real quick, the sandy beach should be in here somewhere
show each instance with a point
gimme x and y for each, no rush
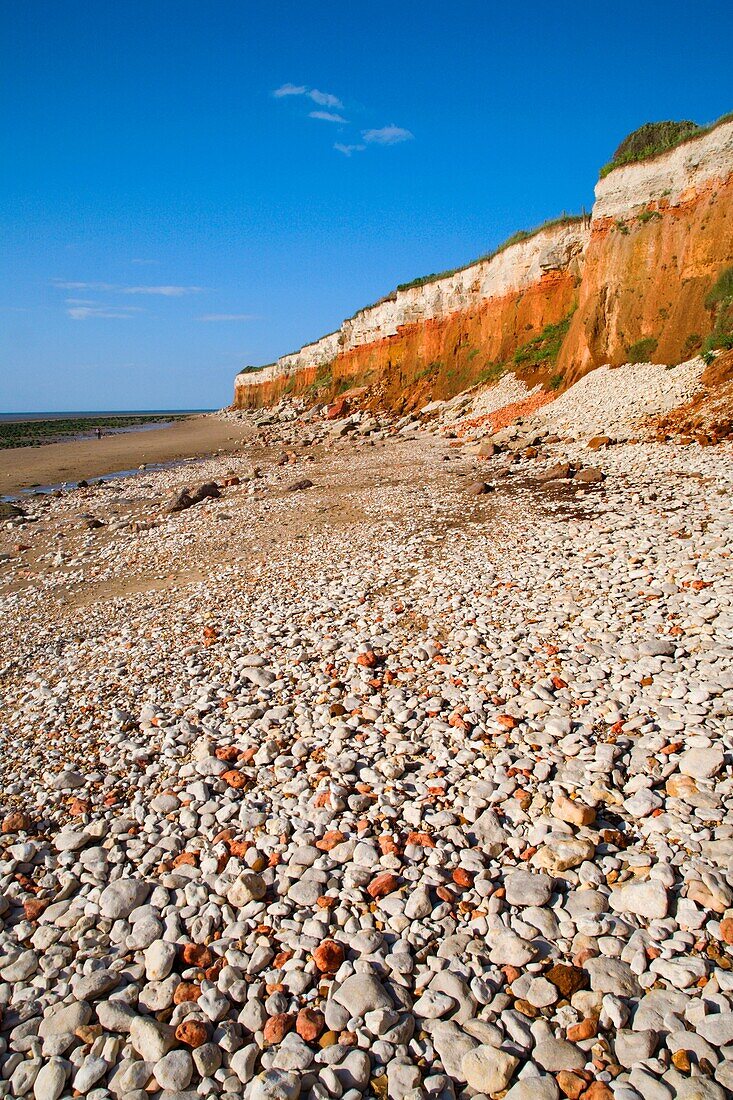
(23, 467)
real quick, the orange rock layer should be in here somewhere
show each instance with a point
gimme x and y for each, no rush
(646, 277)
(642, 277)
(436, 358)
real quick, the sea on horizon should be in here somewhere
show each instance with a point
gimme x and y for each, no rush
(76, 414)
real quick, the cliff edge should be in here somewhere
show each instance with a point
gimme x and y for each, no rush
(633, 282)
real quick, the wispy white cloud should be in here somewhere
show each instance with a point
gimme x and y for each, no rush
(325, 99)
(82, 286)
(347, 150)
(112, 313)
(327, 116)
(387, 135)
(289, 89)
(144, 263)
(229, 317)
(164, 291)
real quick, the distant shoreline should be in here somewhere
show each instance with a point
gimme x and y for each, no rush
(40, 431)
(23, 468)
(90, 414)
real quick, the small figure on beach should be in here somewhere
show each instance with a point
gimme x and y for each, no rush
(98, 432)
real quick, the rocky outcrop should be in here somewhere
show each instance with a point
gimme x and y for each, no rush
(629, 282)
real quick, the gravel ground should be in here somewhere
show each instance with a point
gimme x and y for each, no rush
(371, 787)
(618, 399)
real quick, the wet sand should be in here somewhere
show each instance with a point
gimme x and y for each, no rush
(23, 467)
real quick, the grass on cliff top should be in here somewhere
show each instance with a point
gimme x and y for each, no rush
(654, 138)
(516, 238)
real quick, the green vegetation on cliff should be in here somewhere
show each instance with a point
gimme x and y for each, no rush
(516, 238)
(642, 350)
(538, 354)
(544, 348)
(654, 138)
(720, 300)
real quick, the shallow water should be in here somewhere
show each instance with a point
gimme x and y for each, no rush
(115, 475)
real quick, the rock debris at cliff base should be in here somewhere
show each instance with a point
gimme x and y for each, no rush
(377, 788)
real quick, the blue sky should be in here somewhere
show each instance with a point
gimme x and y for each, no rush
(167, 217)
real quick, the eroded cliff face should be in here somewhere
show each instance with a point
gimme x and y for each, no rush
(661, 233)
(628, 282)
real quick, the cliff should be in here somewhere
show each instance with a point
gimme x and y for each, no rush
(628, 283)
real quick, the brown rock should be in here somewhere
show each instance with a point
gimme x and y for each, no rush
(87, 1033)
(309, 1024)
(599, 441)
(17, 822)
(586, 1029)
(382, 885)
(328, 956)
(589, 475)
(598, 1091)
(575, 813)
(487, 449)
(681, 1061)
(561, 471)
(196, 954)
(186, 991)
(234, 778)
(421, 840)
(571, 1084)
(568, 979)
(507, 721)
(726, 930)
(228, 753)
(185, 859)
(479, 488)
(34, 907)
(338, 409)
(299, 485)
(680, 786)
(192, 1033)
(208, 489)
(178, 502)
(278, 1026)
(330, 840)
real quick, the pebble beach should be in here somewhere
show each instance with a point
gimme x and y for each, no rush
(376, 758)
